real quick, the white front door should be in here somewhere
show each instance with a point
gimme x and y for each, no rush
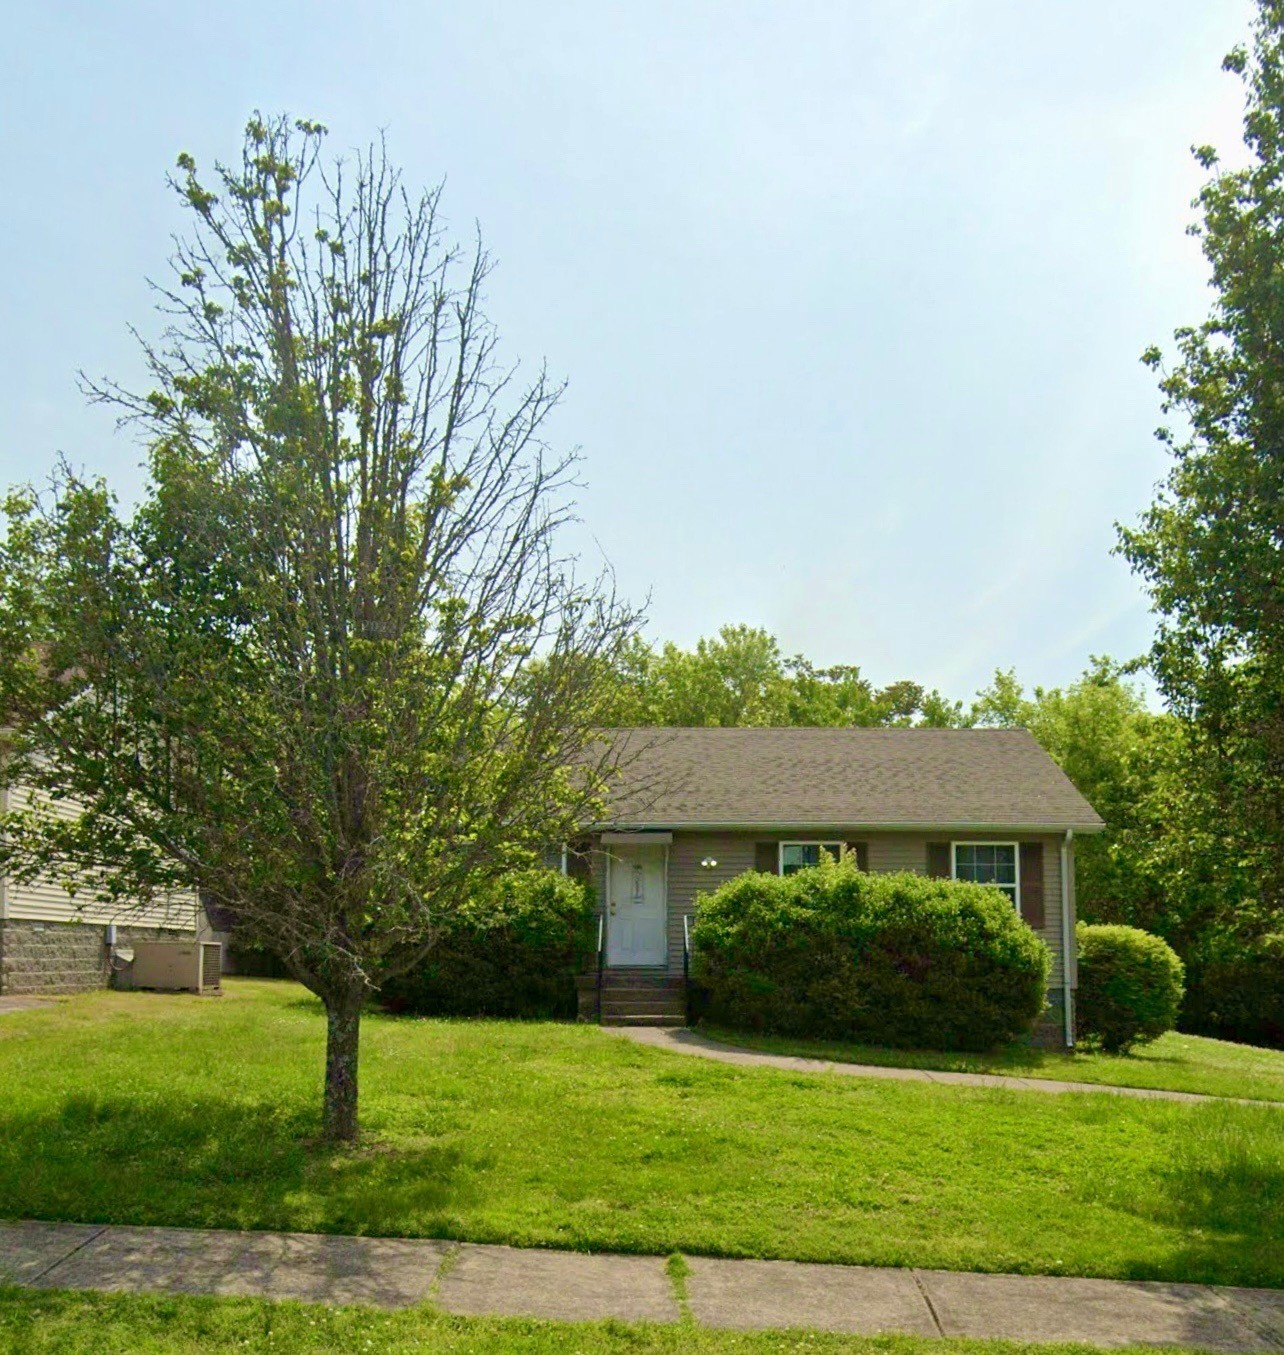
(635, 906)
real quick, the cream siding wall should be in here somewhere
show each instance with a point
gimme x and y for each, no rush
(4, 883)
(734, 854)
(45, 899)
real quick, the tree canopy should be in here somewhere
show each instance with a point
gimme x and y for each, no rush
(741, 677)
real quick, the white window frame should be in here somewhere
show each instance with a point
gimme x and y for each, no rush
(806, 842)
(990, 842)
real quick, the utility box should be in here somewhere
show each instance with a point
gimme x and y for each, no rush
(177, 966)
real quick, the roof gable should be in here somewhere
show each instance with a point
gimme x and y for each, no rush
(802, 777)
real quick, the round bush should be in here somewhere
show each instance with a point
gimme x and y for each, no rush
(513, 951)
(1130, 987)
(894, 959)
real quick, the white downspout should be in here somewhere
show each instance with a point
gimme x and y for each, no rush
(1067, 938)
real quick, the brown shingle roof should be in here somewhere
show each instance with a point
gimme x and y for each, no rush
(794, 778)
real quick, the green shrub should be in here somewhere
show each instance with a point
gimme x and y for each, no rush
(513, 951)
(898, 960)
(1235, 990)
(1130, 987)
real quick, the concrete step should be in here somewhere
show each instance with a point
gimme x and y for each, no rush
(644, 994)
(645, 999)
(651, 981)
(610, 1013)
(646, 1020)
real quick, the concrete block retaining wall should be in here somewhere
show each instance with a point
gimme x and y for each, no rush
(63, 957)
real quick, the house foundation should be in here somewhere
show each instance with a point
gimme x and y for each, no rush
(1050, 1030)
(52, 958)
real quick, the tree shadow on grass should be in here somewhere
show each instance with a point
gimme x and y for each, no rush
(1222, 1186)
(221, 1162)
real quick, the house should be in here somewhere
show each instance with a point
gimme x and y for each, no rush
(693, 808)
(55, 941)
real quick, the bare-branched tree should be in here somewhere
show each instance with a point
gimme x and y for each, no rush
(334, 671)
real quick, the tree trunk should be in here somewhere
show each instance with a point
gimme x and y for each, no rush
(343, 1029)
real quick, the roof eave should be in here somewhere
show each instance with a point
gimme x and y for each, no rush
(814, 825)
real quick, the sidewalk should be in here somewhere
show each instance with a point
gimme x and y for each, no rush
(574, 1286)
(683, 1040)
(22, 1004)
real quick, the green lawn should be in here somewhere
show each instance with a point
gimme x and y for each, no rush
(142, 1108)
(1179, 1063)
(33, 1323)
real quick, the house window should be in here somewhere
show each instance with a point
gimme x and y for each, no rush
(989, 863)
(796, 856)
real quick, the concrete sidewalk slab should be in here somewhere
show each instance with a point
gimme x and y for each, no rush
(506, 1281)
(752, 1295)
(683, 1040)
(1096, 1312)
(28, 1250)
(389, 1272)
(1262, 1310)
(155, 1260)
(573, 1286)
(23, 1004)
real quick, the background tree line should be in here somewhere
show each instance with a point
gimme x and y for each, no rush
(1170, 860)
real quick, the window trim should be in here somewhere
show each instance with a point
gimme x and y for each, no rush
(990, 842)
(805, 842)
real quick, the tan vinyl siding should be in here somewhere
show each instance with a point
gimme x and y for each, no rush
(46, 899)
(688, 878)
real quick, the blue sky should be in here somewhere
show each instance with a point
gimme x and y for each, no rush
(850, 296)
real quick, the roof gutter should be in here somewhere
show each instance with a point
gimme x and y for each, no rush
(829, 825)
(1067, 937)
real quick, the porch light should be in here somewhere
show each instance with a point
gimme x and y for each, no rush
(708, 862)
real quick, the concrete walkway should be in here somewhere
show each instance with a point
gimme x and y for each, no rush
(22, 1004)
(682, 1040)
(482, 1280)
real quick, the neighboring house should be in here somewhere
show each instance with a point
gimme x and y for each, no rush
(693, 808)
(53, 941)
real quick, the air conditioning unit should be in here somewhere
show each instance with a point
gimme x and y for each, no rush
(177, 966)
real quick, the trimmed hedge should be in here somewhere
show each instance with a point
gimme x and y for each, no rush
(513, 952)
(896, 959)
(1130, 987)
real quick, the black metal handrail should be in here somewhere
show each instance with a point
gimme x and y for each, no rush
(686, 965)
(601, 964)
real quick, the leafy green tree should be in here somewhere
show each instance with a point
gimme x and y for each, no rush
(740, 678)
(841, 695)
(735, 678)
(1114, 749)
(1157, 865)
(1211, 547)
(301, 677)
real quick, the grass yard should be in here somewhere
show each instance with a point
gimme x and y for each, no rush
(144, 1108)
(34, 1323)
(1179, 1063)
